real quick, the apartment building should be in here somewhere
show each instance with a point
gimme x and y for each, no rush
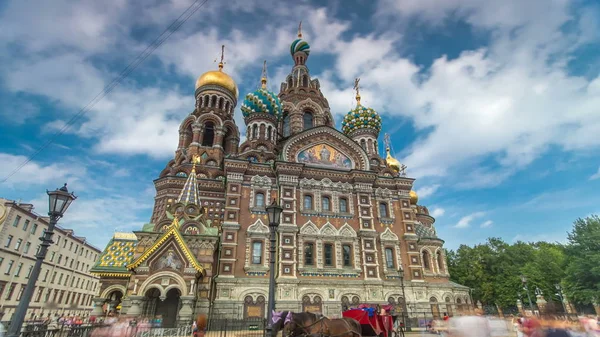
(64, 286)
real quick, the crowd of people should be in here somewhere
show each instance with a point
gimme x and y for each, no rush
(475, 324)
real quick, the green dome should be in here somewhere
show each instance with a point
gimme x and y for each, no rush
(361, 118)
(261, 101)
(299, 45)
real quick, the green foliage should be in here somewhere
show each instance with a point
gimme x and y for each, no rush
(582, 282)
(493, 269)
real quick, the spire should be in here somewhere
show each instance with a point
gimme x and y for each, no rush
(189, 193)
(300, 30)
(263, 79)
(357, 88)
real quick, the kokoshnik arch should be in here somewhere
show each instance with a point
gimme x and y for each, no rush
(348, 214)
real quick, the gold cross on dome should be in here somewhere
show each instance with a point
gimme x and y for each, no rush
(221, 63)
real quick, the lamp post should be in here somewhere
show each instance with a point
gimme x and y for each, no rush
(559, 293)
(59, 201)
(405, 319)
(524, 280)
(274, 213)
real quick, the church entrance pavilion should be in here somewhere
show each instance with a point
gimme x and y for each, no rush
(162, 307)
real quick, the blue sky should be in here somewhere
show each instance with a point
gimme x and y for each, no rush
(492, 105)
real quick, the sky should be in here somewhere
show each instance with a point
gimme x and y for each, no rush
(492, 105)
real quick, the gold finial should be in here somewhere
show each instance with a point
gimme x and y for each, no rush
(222, 57)
(263, 79)
(357, 88)
(300, 30)
(195, 160)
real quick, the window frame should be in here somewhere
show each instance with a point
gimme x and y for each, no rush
(252, 254)
(350, 260)
(340, 204)
(390, 262)
(261, 193)
(386, 209)
(332, 257)
(312, 202)
(325, 198)
(312, 253)
(305, 114)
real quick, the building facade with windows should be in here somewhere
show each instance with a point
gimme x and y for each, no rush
(350, 219)
(65, 285)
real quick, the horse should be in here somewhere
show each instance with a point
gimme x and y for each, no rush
(308, 324)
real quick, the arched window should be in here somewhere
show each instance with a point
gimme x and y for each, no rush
(309, 249)
(325, 204)
(269, 130)
(347, 254)
(328, 254)
(425, 257)
(305, 81)
(343, 205)
(257, 252)
(221, 103)
(308, 120)
(290, 83)
(209, 134)
(286, 124)
(260, 200)
(389, 258)
(440, 261)
(213, 101)
(255, 131)
(383, 211)
(363, 144)
(308, 204)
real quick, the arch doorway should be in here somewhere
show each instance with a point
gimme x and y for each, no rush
(164, 308)
(113, 302)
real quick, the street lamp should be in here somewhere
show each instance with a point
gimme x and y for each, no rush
(59, 201)
(560, 296)
(274, 213)
(405, 320)
(524, 280)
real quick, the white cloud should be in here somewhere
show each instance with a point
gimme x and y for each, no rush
(465, 221)
(427, 191)
(487, 224)
(437, 212)
(39, 175)
(595, 175)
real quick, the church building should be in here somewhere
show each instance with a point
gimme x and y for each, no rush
(350, 226)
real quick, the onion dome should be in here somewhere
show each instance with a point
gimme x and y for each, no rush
(361, 118)
(414, 198)
(299, 45)
(218, 78)
(392, 162)
(262, 101)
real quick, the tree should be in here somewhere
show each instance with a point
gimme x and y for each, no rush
(582, 281)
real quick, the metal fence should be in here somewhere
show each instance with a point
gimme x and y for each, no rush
(222, 327)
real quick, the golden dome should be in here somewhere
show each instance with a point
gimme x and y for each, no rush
(219, 78)
(392, 162)
(414, 198)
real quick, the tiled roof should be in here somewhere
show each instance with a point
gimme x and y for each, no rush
(117, 255)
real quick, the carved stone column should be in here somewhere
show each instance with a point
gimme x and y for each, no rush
(198, 131)
(219, 134)
(185, 315)
(134, 308)
(98, 303)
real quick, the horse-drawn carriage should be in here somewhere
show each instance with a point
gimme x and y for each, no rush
(372, 323)
(354, 323)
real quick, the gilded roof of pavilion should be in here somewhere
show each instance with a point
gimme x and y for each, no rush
(116, 256)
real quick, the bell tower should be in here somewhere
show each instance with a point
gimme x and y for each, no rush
(304, 105)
